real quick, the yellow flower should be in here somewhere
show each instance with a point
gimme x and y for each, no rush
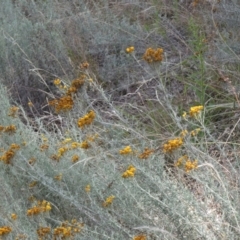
(44, 147)
(75, 158)
(30, 104)
(125, 150)
(67, 140)
(147, 152)
(130, 172)
(184, 133)
(153, 55)
(172, 145)
(58, 177)
(195, 132)
(14, 216)
(84, 145)
(184, 115)
(43, 206)
(33, 184)
(61, 151)
(43, 231)
(10, 129)
(77, 83)
(14, 146)
(4, 230)
(75, 145)
(130, 49)
(86, 119)
(62, 104)
(186, 163)
(194, 111)
(108, 201)
(84, 65)
(88, 188)
(180, 161)
(57, 81)
(13, 111)
(140, 237)
(190, 165)
(7, 156)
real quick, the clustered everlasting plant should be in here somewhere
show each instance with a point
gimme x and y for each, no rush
(130, 172)
(172, 145)
(42, 206)
(86, 119)
(108, 201)
(65, 103)
(10, 153)
(153, 55)
(65, 177)
(187, 163)
(126, 150)
(5, 230)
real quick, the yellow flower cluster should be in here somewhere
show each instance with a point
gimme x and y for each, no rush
(43, 206)
(56, 81)
(4, 230)
(58, 177)
(84, 65)
(185, 162)
(14, 216)
(88, 188)
(13, 111)
(130, 49)
(193, 133)
(190, 165)
(130, 172)
(140, 237)
(85, 145)
(44, 147)
(126, 150)
(62, 104)
(32, 184)
(67, 229)
(43, 231)
(86, 119)
(108, 201)
(194, 111)
(75, 85)
(153, 55)
(8, 129)
(75, 158)
(147, 152)
(172, 145)
(9, 154)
